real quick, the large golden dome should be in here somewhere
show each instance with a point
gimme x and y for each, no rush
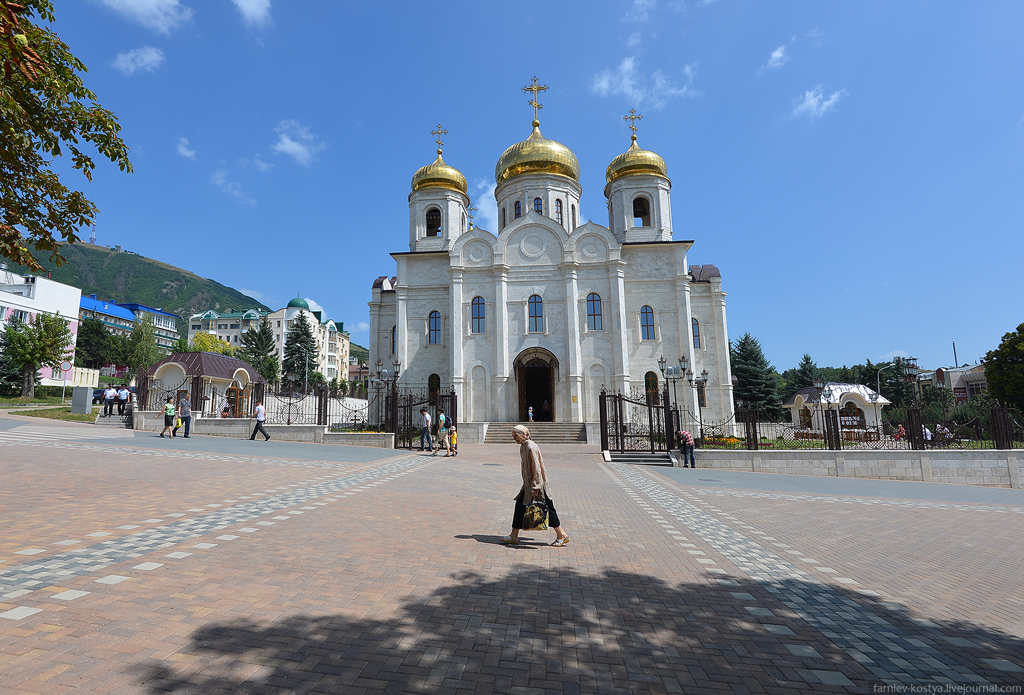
(537, 155)
(636, 161)
(440, 175)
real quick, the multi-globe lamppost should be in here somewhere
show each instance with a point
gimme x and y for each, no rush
(384, 380)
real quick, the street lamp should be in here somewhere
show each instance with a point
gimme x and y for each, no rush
(878, 425)
(672, 375)
(910, 371)
(698, 383)
(819, 385)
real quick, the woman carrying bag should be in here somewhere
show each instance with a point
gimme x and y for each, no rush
(535, 489)
(168, 414)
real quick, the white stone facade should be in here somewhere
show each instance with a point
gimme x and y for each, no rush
(507, 362)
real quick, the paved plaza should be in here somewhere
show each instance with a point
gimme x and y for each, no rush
(135, 564)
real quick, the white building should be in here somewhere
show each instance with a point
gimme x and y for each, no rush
(331, 340)
(24, 296)
(546, 308)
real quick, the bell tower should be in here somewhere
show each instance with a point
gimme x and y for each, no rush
(437, 204)
(638, 190)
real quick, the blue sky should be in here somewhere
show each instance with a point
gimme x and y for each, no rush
(854, 169)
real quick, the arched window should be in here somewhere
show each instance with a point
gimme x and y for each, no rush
(503, 218)
(435, 328)
(594, 312)
(394, 339)
(641, 212)
(574, 216)
(696, 334)
(558, 212)
(536, 314)
(538, 206)
(646, 323)
(479, 315)
(433, 222)
(651, 385)
(433, 384)
(519, 210)
(850, 416)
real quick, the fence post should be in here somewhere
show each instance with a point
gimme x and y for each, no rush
(916, 433)
(999, 420)
(670, 429)
(602, 402)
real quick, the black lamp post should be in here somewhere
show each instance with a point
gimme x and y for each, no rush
(910, 371)
(819, 385)
(699, 383)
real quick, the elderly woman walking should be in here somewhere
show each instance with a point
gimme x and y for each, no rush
(535, 486)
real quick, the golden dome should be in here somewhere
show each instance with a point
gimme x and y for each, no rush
(440, 175)
(636, 161)
(537, 155)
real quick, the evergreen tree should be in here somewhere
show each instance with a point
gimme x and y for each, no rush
(93, 344)
(1004, 369)
(258, 347)
(806, 372)
(755, 377)
(300, 351)
(44, 341)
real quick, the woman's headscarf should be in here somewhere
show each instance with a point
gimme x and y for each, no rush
(521, 429)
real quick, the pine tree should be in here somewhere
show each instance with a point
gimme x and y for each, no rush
(300, 353)
(92, 344)
(755, 377)
(806, 372)
(258, 348)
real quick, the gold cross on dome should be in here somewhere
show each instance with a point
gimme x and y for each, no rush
(632, 117)
(536, 89)
(439, 131)
(469, 213)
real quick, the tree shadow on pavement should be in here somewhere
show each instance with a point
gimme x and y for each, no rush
(562, 631)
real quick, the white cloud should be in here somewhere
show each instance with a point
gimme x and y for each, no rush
(145, 59)
(776, 60)
(362, 327)
(297, 141)
(257, 161)
(487, 214)
(640, 10)
(260, 297)
(183, 149)
(634, 40)
(814, 104)
(653, 91)
(161, 15)
(220, 180)
(254, 12)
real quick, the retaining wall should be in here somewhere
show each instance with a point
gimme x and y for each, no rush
(975, 467)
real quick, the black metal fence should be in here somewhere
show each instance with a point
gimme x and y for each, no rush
(401, 408)
(911, 429)
(636, 422)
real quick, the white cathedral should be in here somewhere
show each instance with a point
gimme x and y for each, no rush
(545, 312)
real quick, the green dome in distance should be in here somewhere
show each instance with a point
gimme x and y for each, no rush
(298, 302)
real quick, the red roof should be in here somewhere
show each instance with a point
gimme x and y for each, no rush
(209, 364)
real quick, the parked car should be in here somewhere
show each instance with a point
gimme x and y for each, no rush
(97, 396)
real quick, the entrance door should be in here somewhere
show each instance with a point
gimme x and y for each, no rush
(535, 390)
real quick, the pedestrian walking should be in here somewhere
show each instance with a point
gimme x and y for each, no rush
(184, 415)
(168, 416)
(529, 414)
(425, 441)
(443, 425)
(454, 439)
(109, 399)
(535, 487)
(261, 417)
(123, 395)
(686, 447)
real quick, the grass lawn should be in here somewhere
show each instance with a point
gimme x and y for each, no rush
(38, 400)
(60, 414)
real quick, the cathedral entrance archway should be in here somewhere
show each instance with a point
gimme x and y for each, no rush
(536, 371)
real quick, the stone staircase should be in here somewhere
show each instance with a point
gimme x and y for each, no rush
(124, 422)
(644, 458)
(540, 432)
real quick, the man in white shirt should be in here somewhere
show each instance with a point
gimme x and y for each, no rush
(123, 395)
(109, 399)
(425, 441)
(261, 416)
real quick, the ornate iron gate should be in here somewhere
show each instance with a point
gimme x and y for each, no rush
(402, 412)
(638, 422)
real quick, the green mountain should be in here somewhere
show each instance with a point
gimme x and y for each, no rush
(124, 276)
(360, 353)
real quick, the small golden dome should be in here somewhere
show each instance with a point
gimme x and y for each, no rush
(636, 161)
(537, 155)
(440, 175)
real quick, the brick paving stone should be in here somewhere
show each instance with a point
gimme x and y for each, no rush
(393, 579)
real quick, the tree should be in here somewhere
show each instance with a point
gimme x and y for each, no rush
(300, 353)
(1004, 369)
(755, 377)
(43, 341)
(206, 342)
(92, 347)
(44, 110)
(10, 373)
(181, 345)
(258, 347)
(141, 350)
